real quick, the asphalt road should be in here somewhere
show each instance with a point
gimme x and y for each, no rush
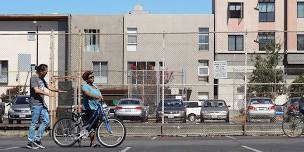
(173, 144)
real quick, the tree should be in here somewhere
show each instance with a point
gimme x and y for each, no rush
(297, 90)
(266, 71)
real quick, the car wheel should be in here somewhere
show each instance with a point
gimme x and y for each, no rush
(10, 121)
(192, 117)
(184, 120)
(18, 121)
(227, 119)
(142, 119)
(1, 119)
(248, 119)
(272, 120)
(202, 119)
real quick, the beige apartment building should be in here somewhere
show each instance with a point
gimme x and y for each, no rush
(247, 26)
(180, 43)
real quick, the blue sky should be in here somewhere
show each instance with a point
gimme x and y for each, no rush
(104, 6)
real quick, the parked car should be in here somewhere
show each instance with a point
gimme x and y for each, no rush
(193, 109)
(293, 105)
(2, 111)
(214, 110)
(174, 109)
(132, 109)
(261, 108)
(20, 109)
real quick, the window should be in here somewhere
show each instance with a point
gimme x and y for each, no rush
(301, 9)
(203, 41)
(203, 95)
(31, 36)
(235, 42)
(266, 39)
(191, 104)
(139, 72)
(266, 10)
(92, 40)
(300, 42)
(100, 72)
(132, 39)
(203, 70)
(4, 72)
(235, 10)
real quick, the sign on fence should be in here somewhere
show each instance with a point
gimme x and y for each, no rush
(220, 69)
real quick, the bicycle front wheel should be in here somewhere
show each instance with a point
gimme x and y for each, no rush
(292, 126)
(111, 134)
(65, 132)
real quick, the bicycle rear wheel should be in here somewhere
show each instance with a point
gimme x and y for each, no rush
(292, 126)
(65, 132)
(111, 134)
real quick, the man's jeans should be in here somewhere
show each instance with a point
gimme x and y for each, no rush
(42, 113)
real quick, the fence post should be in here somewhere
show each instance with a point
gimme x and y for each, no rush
(245, 90)
(52, 102)
(80, 71)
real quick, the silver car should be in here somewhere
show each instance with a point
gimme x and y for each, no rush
(131, 109)
(261, 108)
(20, 109)
(214, 110)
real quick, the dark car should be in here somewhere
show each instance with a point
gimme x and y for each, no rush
(2, 111)
(174, 110)
(214, 110)
(20, 109)
(294, 104)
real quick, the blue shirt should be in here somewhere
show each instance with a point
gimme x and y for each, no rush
(88, 102)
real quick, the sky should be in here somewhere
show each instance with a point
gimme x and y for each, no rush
(109, 7)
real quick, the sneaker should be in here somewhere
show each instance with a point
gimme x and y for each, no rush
(31, 145)
(38, 144)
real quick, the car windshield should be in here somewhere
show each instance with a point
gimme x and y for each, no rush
(130, 102)
(260, 101)
(218, 103)
(172, 103)
(22, 100)
(293, 100)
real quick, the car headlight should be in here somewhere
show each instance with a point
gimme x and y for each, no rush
(223, 112)
(181, 112)
(11, 110)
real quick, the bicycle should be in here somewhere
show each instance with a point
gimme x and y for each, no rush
(111, 132)
(293, 124)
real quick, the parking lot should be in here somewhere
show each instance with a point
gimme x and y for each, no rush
(208, 128)
(174, 144)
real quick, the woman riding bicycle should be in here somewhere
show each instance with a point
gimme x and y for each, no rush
(90, 100)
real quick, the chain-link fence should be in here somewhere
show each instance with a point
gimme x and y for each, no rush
(229, 83)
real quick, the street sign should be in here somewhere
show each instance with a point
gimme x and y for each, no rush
(220, 69)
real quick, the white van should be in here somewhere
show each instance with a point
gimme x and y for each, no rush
(193, 109)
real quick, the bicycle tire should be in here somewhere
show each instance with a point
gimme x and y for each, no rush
(69, 128)
(103, 134)
(292, 126)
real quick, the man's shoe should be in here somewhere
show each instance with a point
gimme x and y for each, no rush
(31, 145)
(38, 144)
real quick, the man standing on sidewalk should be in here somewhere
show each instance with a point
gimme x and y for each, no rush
(39, 109)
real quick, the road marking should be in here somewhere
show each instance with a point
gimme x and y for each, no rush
(231, 137)
(252, 149)
(126, 149)
(153, 138)
(9, 148)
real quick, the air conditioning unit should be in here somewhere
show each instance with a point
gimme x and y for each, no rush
(203, 71)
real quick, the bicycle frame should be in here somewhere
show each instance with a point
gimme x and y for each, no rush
(98, 115)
